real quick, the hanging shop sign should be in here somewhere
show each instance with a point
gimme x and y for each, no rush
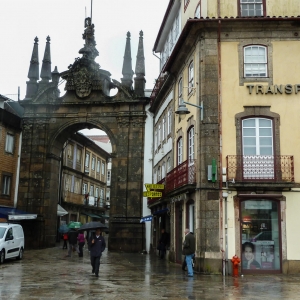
(273, 89)
(150, 186)
(152, 194)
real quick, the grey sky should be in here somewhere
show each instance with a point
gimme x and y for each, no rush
(63, 20)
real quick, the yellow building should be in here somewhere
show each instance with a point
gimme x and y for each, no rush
(234, 181)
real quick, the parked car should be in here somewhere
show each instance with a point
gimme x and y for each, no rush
(11, 241)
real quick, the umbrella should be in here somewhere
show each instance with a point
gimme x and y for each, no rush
(93, 225)
(74, 225)
(63, 228)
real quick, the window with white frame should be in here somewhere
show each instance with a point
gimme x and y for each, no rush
(252, 8)
(84, 189)
(68, 183)
(179, 151)
(191, 134)
(169, 121)
(180, 98)
(159, 134)
(93, 163)
(87, 160)
(191, 76)
(164, 127)
(97, 192)
(9, 143)
(103, 168)
(155, 139)
(98, 166)
(255, 61)
(198, 11)
(163, 170)
(169, 165)
(6, 184)
(92, 190)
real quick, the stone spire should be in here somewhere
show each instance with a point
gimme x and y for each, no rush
(139, 80)
(127, 65)
(33, 73)
(46, 66)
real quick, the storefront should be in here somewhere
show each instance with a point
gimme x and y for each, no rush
(260, 235)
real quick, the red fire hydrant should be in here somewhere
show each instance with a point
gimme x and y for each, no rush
(235, 265)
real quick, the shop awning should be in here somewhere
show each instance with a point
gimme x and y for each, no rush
(161, 211)
(11, 214)
(146, 219)
(103, 216)
(91, 215)
(61, 211)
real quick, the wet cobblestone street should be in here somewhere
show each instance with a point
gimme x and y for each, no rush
(49, 274)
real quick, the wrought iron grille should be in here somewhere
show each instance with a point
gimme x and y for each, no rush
(276, 168)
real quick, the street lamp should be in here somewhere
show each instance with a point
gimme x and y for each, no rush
(183, 110)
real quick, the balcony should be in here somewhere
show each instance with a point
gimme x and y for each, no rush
(183, 174)
(263, 168)
(158, 85)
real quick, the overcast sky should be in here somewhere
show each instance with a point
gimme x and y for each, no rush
(63, 20)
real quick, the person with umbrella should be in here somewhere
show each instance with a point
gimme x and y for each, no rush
(97, 246)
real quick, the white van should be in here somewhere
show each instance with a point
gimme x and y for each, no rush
(11, 241)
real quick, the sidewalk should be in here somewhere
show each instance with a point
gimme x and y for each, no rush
(49, 274)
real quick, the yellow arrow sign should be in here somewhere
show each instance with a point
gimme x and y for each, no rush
(150, 186)
(152, 194)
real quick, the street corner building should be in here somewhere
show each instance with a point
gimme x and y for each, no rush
(226, 134)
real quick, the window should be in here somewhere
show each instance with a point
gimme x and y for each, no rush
(103, 168)
(98, 166)
(191, 77)
(9, 144)
(78, 156)
(164, 128)
(70, 151)
(155, 176)
(163, 170)
(257, 139)
(158, 174)
(169, 121)
(180, 99)
(252, 8)
(77, 186)
(93, 163)
(198, 12)
(87, 160)
(179, 151)
(159, 134)
(68, 183)
(6, 184)
(169, 164)
(97, 192)
(155, 139)
(255, 61)
(191, 134)
(84, 189)
(91, 190)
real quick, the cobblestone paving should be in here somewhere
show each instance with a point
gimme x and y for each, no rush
(49, 274)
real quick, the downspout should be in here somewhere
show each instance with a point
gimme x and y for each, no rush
(18, 171)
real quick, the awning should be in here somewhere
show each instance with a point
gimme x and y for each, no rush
(146, 219)
(91, 215)
(103, 216)
(11, 213)
(61, 211)
(162, 211)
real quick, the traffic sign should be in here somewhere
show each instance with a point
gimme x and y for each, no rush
(152, 194)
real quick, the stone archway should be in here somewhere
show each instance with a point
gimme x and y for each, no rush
(49, 120)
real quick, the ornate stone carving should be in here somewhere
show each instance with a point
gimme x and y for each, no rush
(123, 122)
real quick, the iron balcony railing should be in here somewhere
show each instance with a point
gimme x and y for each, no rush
(182, 175)
(275, 168)
(158, 84)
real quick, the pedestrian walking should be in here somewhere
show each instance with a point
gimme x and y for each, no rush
(81, 243)
(189, 247)
(72, 237)
(162, 243)
(97, 246)
(65, 238)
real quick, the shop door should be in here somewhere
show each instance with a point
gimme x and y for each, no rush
(178, 230)
(260, 236)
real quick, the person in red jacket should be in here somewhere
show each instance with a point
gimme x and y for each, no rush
(65, 238)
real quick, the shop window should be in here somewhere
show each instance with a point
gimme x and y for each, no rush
(252, 8)
(260, 235)
(255, 61)
(179, 151)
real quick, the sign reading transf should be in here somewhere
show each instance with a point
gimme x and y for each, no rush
(153, 194)
(150, 186)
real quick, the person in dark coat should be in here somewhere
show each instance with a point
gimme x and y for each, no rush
(189, 248)
(97, 246)
(162, 243)
(72, 237)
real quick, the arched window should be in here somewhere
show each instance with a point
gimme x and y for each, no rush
(179, 151)
(191, 76)
(255, 61)
(198, 11)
